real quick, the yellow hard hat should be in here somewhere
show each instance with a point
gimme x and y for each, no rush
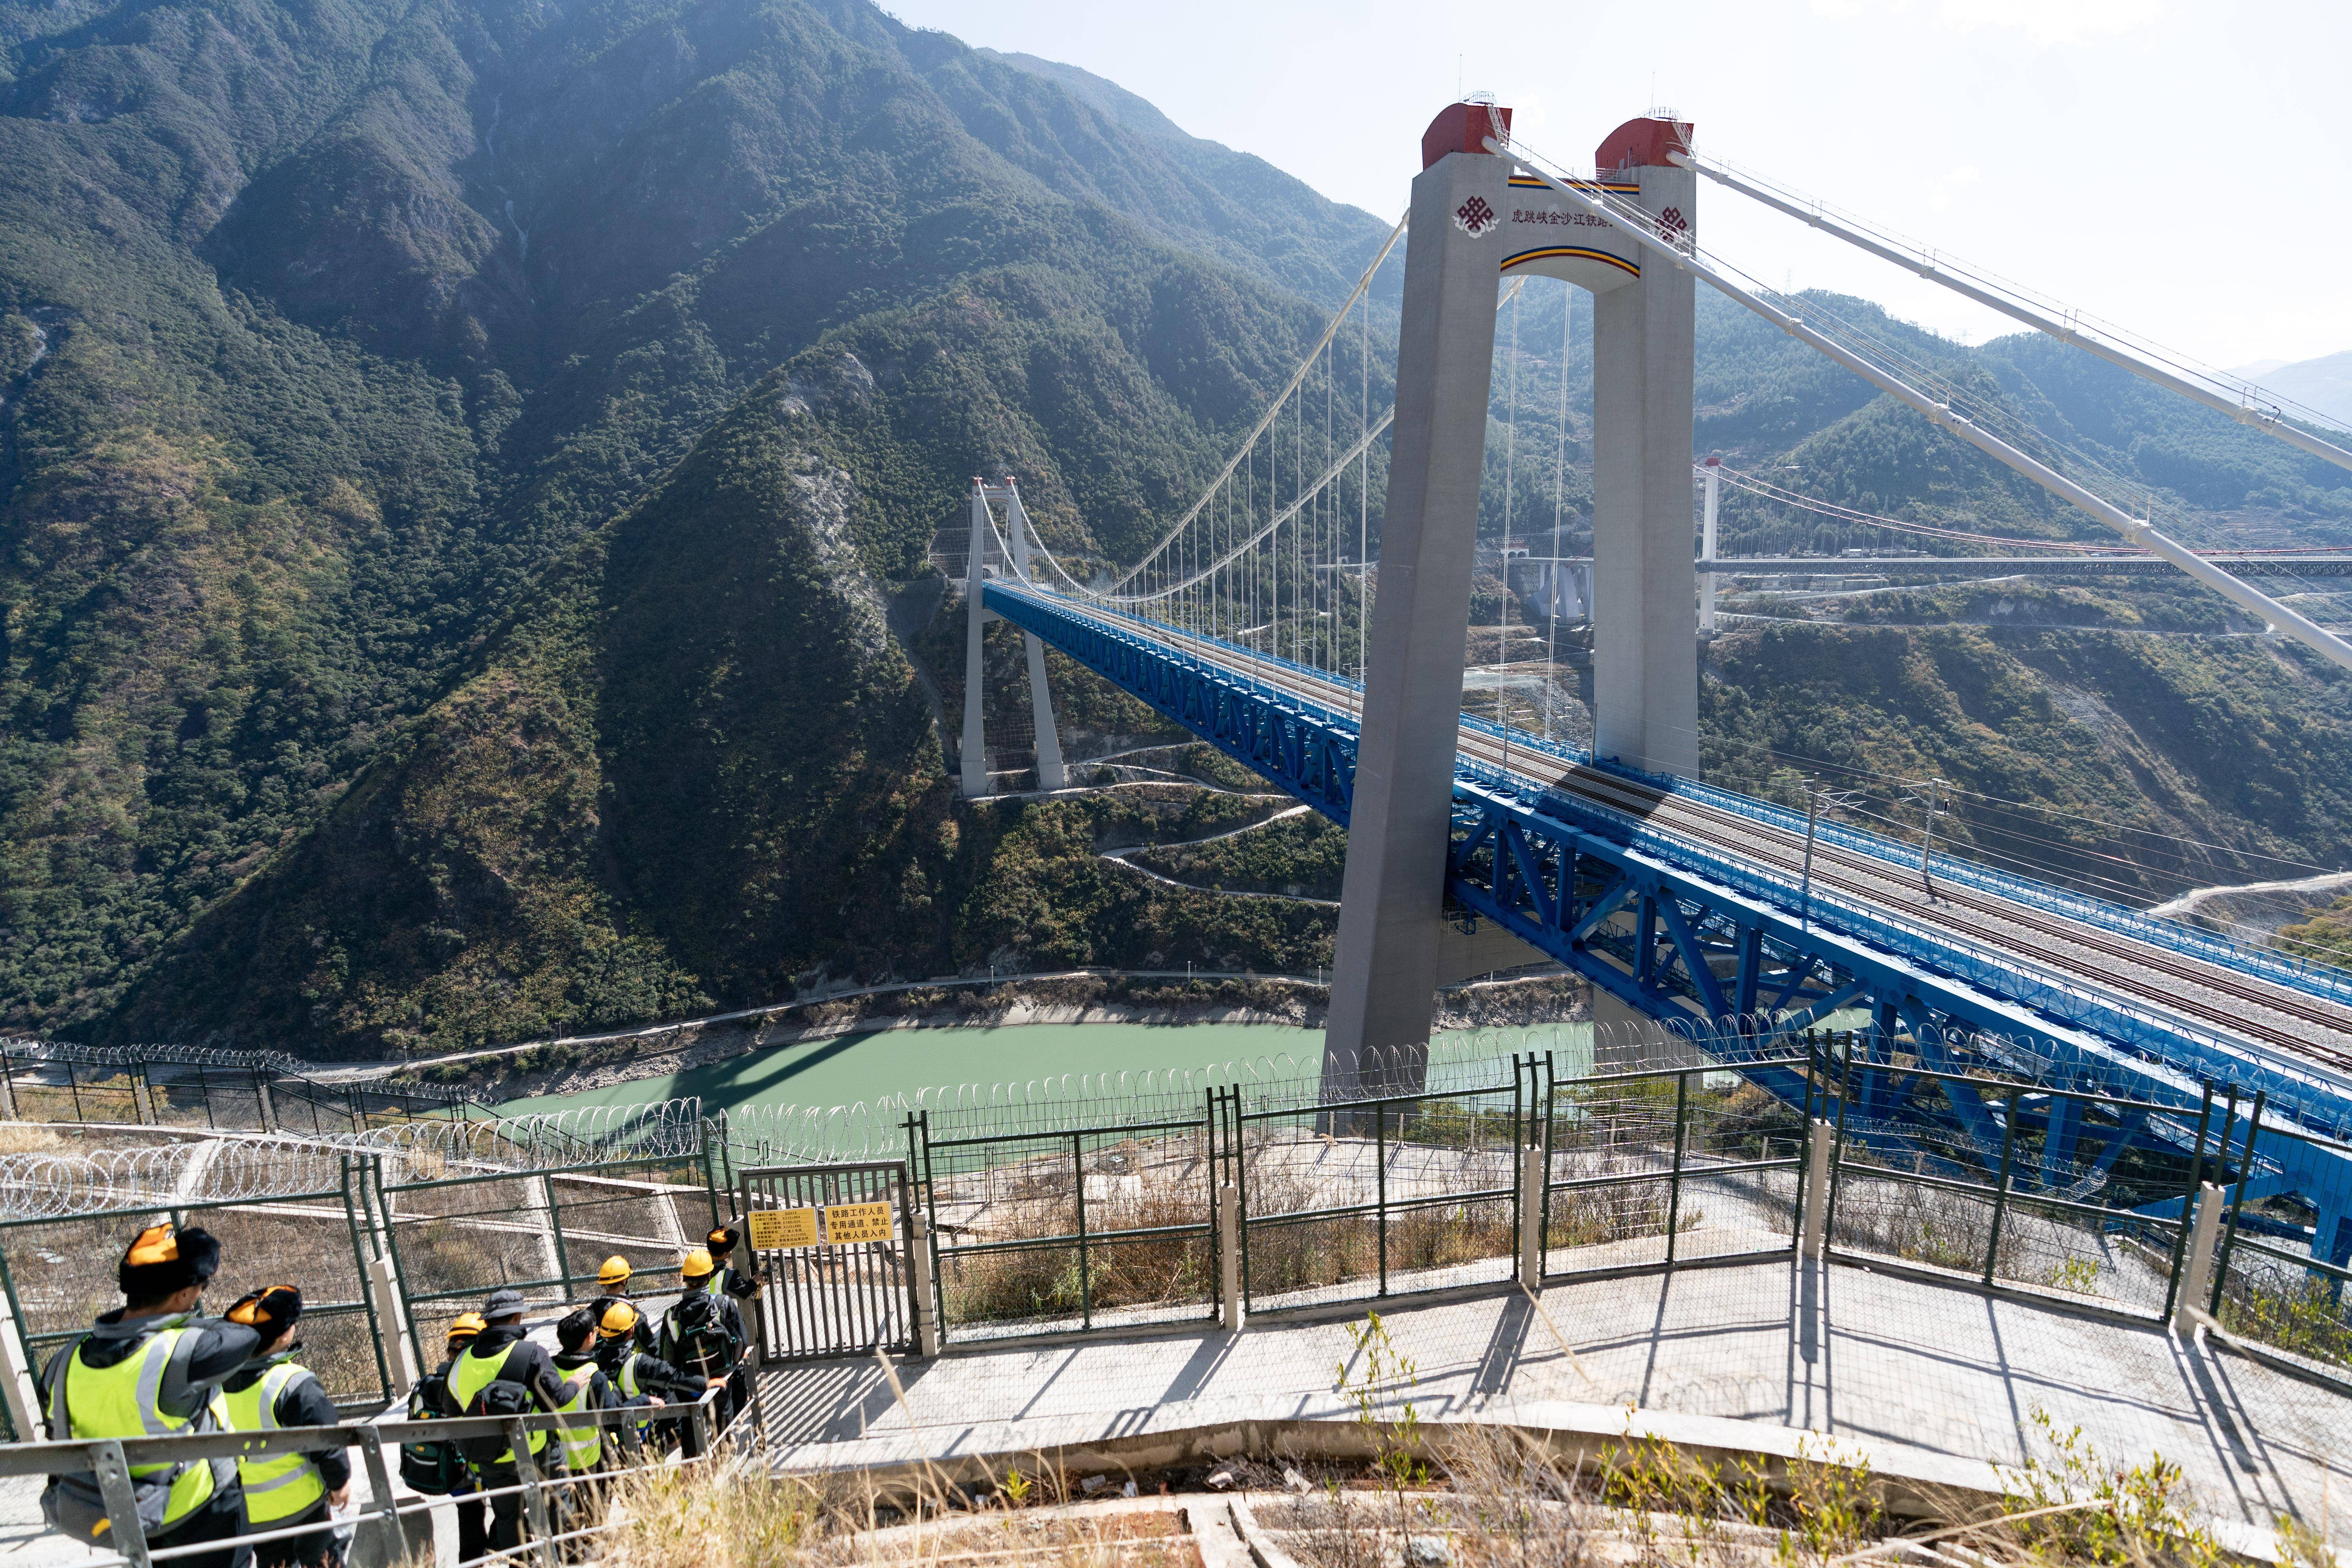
(698, 1265)
(466, 1325)
(613, 1271)
(619, 1319)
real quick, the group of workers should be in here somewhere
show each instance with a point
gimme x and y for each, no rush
(156, 1367)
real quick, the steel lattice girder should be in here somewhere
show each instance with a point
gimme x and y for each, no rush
(1910, 984)
(1308, 750)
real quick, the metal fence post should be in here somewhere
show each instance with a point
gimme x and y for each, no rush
(1814, 1234)
(1231, 1310)
(399, 1271)
(555, 1234)
(1241, 1183)
(1381, 1185)
(1675, 1181)
(2236, 1203)
(8, 1089)
(393, 1345)
(16, 1382)
(261, 1099)
(2195, 1179)
(534, 1496)
(1079, 1176)
(387, 1510)
(2198, 1271)
(918, 1282)
(2001, 1188)
(1532, 1175)
(121, 1506)
(1837, 1143)
(363, 1266)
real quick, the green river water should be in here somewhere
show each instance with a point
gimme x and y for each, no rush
(871, 1065)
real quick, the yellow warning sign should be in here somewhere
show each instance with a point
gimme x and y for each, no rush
(858, 1222)
(775, 1229)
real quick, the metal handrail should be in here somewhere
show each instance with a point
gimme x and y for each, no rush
(110, 1460)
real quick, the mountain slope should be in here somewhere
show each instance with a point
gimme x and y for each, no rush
(428, 613)
(323, 333)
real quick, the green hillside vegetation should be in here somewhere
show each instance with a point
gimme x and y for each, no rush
(2326, 935)
(321, 338)
(695, 769)
(467, 477)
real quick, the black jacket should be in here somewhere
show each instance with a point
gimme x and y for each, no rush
(710, 1350)
(601, 1393)
(645, 1330)
(530, 1364)
(302, 1403)
(652, 1376)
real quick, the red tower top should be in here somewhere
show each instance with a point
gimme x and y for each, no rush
(1642, 143)
(1464, 128)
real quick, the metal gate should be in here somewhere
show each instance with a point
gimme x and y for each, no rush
(830, 1241)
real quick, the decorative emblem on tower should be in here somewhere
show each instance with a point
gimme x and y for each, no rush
(1672, 223)
(1474, 218)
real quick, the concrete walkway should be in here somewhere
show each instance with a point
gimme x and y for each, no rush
(1890, 1363)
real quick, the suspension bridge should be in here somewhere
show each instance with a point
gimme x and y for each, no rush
(1321, 640)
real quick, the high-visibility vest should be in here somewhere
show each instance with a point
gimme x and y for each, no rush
(582, 1445)
(471, 1374)
(120, 1401)
(282, 1485)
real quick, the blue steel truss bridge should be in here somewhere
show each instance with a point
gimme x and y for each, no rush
(1980, 1003)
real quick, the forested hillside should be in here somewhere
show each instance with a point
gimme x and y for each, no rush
(323, 332)
(459, 466)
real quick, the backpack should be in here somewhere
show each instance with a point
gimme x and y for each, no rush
(430, 1468)
(500, 1398)
(699, 1343)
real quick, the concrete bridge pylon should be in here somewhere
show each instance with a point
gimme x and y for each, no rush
(1473, 223)
(1385, 969)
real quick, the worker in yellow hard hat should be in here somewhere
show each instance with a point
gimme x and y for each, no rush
(636, 1378)
(153, 1368)
(702, 1333)
(269, 1393)
(743, 1285)
(740, 1283)
(612, 1277)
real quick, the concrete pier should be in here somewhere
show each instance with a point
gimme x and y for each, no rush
(1385, 974)
(1645, 624)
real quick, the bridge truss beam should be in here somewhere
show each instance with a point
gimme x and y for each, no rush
(1730, 959)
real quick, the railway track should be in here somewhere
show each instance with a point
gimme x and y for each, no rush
(2205, 998)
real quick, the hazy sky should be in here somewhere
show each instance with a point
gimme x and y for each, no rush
(2183, 169)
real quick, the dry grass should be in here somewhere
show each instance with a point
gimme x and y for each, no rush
(735, 1516)
(23, 1138)
(1500, 1498)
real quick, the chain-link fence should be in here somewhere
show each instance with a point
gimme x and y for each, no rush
(58, 1271)
(1068, 1228)
(457, 1234)
(177, 1087)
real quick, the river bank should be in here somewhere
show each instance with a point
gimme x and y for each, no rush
(1165, 1008)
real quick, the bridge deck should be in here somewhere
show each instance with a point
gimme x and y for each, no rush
(2206, 996)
